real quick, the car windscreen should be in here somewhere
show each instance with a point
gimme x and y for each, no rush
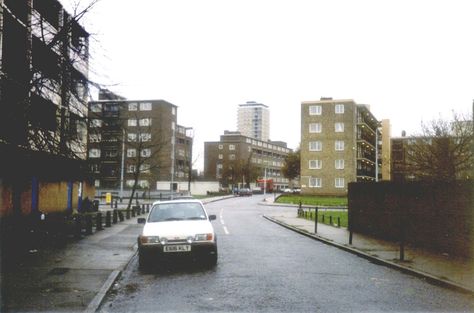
(176, 212)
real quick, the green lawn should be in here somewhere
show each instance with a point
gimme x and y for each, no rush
(342, 215)
(313, 200)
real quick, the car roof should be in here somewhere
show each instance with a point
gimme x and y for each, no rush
(179, 201)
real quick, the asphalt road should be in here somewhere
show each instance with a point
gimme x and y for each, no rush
(264, 267)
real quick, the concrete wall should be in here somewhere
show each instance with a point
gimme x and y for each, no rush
(436, 216)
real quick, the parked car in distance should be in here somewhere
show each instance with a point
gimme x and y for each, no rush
(296, 190)
(177, 228)
(287, 190)
(245, 192)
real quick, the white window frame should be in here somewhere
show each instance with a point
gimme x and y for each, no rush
(144, 122)
(339, 145)
(232, 147)
(94, 153)
(318, 146)
(132, 122)
(339, 182)
(145, 168)
(315, 128)
(145, 106)
(133, 106)
(144, 137)
(339, 164)
(131, 168)
(95, 137)
(315, 164)
(315, 109)
(96, 107)
(339, 127)
(220, 147)
(146, 153)
(220, 156)
(96, 122)
(315, 182)
(131, 137)
(131, 153)
(339, 108)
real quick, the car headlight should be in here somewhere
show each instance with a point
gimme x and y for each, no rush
(149, 239)
(204, 237)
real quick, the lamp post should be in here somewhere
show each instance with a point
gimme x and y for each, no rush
(122, 165)
(173, 147)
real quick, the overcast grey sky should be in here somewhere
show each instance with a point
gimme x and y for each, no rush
(409, 60)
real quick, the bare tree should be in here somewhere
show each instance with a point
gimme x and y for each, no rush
(144, 149)
(48, 88)
(443, 151)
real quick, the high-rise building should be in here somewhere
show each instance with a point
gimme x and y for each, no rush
(253, 120)
(340, 143)
(130, 137)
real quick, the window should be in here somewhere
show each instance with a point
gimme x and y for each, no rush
(143, 183)
(111, 154)
(132, 106)
(173, 110)
(96, 107)
(132, 122)
(131, 168)
(220, 156)
(315, 127)
(221, 147)
(219, 166)
(339, 145)
(145, 168)
(95, 168)
(315, 164)
(96, 123)
(315, 110)
(339, 164)
(339, 109)
(315, 182)
(145, 137)
(145, 106)
(145, 153)
(95, 137)
(145, 122)
(339, 182)
(231, 147)
(132, 137)
(94, 153)
(97, 183)
(315, 146)
(131, 153)
(231, 156)
(339, 127)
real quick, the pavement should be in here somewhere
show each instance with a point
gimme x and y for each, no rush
(73, 277)
(77, 276)
(436, 267)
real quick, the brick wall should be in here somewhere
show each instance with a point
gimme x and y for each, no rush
(438, 216)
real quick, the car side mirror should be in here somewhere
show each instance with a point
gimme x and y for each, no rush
(141, 220)
(212, 217)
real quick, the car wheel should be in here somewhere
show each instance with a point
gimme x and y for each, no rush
(143, 260)
(212, 259)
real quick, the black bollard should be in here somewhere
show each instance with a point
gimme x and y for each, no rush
(121, 217)
(127, 216)
(108, 219)
(330, 220)
(338, 221)
(98, 222)
(316, 220)
(114, 216)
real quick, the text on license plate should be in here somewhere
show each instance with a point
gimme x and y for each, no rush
(177, 248)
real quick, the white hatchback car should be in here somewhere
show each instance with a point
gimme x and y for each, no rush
(177, 228)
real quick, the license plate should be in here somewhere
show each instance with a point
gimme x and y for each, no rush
(177, 248)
